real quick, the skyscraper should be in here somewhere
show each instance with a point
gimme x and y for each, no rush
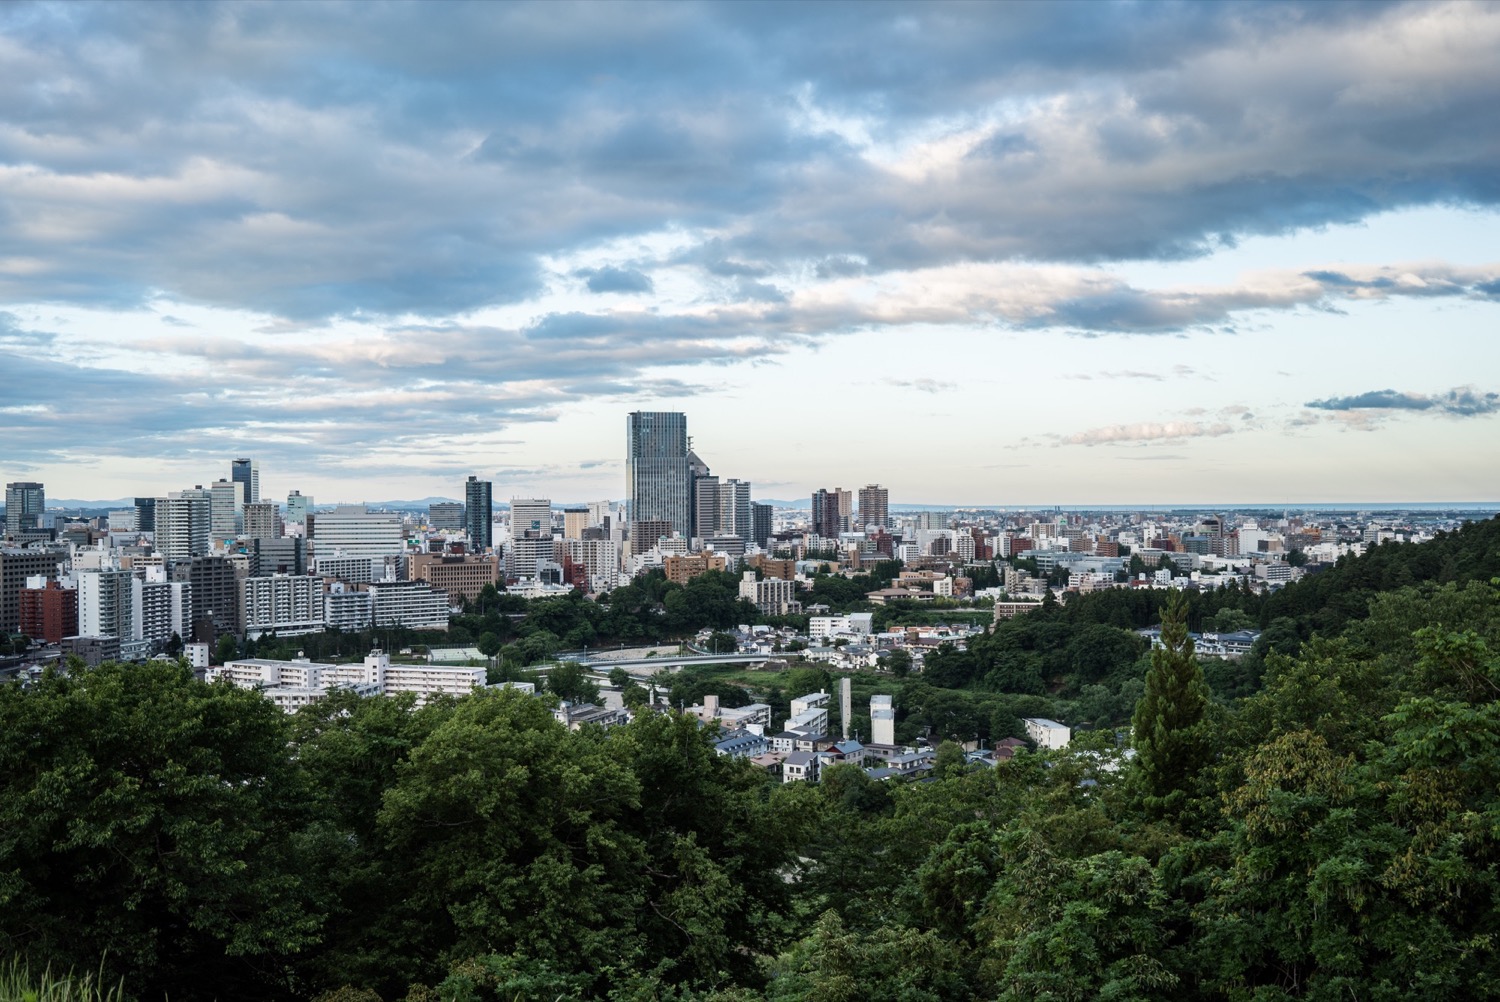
(226, 510)
(826, 521)
(874, 506)
(656, 468)
(734, 509)
(297, 507)
(479, 513)
(246, 472)
(182, 524)
(145, 514)
(760, 524)
(24, 503)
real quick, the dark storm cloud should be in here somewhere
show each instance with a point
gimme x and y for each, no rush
(1463, 401)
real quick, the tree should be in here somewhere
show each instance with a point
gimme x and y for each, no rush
(619, 678)
(949, 761)
(567, 680)
(488, 644)
(227, 648)
(898, 662)
(1171, 746)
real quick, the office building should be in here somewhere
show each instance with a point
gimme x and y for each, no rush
(246, 473)
(226, 511)
(286, 555)
(530, 515)
(656, 468)
(297, 507)
(353, 531)
(526, 554)
(145, 514)
(874, 506)
(446, 516)
(25, 502)
(461, 575)
(479, 513)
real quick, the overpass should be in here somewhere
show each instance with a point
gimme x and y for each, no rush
(647, 667)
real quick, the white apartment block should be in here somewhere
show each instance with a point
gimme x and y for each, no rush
(109, 604)
(413, 604)
(1047, 733)
(166, 607)
(347, 609)
(286, 604)
(809, 714)
(294, 684)
(856, 623)
(772, 596)
(225, 510)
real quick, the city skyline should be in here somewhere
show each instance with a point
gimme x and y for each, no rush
(1002, 255)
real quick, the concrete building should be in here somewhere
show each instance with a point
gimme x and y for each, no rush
(262, 521)
(354, 531)
(530, 515)
(17, 565)
(479, 513)
(166, 607)
(347, 609)
(809, 714)
(283, 604)
(760, 524)
(297, 507)
(656, 469)
(1048, 734)
(874, 507)
(108, 604)
(182, 524)
(226, 510)
(48, 611)
(681, 570)
(145, 514)
(882, 720)
(527, 553)
(772, 596)
(446, 516)
(412, 604)
(575, 520)
(644, 535)
(215, 595)
(461, 575)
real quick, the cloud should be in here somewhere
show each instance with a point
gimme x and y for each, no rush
(924, 384)
(1463, 401)
(616, 280)
(1169, 431)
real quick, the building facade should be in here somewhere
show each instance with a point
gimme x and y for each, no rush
(479, 513)
(656, 468)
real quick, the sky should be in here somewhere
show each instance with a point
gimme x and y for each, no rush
(1008, 254)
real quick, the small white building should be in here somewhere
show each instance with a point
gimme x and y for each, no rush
(1047, 733)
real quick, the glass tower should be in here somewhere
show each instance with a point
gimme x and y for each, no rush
(656, 468)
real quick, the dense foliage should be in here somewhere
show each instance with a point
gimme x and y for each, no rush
(1328, 830)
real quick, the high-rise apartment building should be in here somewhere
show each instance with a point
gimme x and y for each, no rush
(735, 510)
(16, 566)
(246, 473)
(479, 513)
(826, 521)
(182, 524)
(656, 468)
(874, 506)
(575, 520)
(49, 612)
(215, 595)
(705, 506)
(24, 503)
(262, 521)
(107, 604)
(760, 524)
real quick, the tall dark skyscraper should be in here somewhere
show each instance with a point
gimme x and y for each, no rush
(24, 503)
(826, 520)
(656, 468)
(760, 523)
(479, 513)
(145, 514)
(246, 472)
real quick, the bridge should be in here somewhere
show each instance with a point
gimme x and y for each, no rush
(647, 667)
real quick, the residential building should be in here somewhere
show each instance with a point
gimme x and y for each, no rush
(25, 502)
(215, 595)
(284, 604)
(681, 570)
(413, 604)
(575, 520)
(262, 521)
(644, 535)
(108, 605)
(48, 611)
(826, 521)
(772, 596)
(1047, 734)
(479, 513)
(346, 609)
(656, 468)
(874, 507)
(809, 714)
(527, 554)
(760, 524)
(145, 514)
(182, 524)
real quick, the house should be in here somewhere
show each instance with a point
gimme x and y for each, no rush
(742, 744)
(800, 765)
(1046, 733)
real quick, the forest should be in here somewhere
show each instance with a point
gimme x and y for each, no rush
(1319, 820)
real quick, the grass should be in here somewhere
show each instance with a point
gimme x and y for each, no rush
(19, 984)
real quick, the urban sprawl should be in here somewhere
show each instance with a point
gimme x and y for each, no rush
(174, 575)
